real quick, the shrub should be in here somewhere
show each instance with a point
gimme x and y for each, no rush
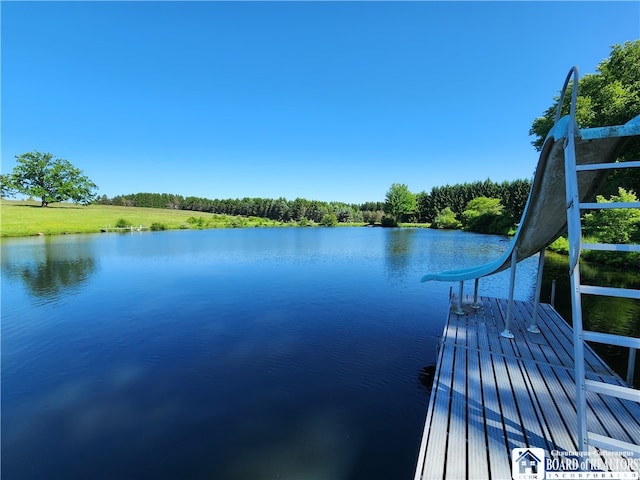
(329, 220)
(122, 223)
(372, 217)
(196, 222)
(237, 222)
(561, 245)
(155, 226)
(388, 222)
(446, 219)
(616, 225)
(485, 215)
(614, 259)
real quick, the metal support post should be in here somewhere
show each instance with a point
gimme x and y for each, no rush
(459, 310)
(475, 294)
(506, 333)
(631, 367)
(578, 354)
(533, 328)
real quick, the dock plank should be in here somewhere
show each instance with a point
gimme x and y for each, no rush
(457, 438)
(476, 445)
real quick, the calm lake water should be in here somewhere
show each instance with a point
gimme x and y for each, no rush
(226, 354)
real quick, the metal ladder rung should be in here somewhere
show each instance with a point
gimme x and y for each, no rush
(632, 127)
(609, 205)
(610, 291)
(611, 339)
(617, 391)
(607, 166)
(611, 444)
(611, 247)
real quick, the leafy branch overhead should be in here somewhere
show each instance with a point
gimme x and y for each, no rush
(50, 179)
(609, 97)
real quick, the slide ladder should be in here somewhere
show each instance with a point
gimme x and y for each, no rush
(574, 169)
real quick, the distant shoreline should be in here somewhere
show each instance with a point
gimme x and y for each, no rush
(23, 218)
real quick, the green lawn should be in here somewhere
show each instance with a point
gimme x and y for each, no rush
(24, 218)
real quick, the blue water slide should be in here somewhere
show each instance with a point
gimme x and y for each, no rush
(544, 218)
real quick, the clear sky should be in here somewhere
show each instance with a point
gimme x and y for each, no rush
(330, 101)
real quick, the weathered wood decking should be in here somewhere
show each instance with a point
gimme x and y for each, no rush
(491, 394)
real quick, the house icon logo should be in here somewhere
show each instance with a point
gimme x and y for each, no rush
(527, 464)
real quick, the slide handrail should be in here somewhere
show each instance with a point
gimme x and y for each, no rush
(572, 194)
(573, 72)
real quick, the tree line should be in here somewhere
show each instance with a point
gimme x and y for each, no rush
(512, 195)
(54, 180)
(279, 209)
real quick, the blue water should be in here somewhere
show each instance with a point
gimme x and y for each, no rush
(226, 354)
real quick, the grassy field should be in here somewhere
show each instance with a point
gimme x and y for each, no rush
(24, 218)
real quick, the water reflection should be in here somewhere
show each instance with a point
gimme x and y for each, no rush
(49, 267)
(399, 249)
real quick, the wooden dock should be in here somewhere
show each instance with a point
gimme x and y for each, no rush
(491, 394)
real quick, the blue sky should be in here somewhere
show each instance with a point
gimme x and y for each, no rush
(330, 101)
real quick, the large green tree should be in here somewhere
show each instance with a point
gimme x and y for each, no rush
(50, 179)
(399, 201)
(609, 97)
(5, 186)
